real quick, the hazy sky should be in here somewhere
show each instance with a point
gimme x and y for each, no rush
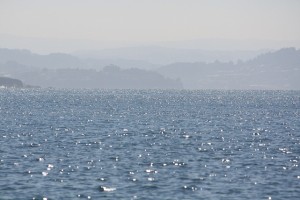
(151, 20)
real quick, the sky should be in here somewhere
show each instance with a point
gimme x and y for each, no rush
(149, 21)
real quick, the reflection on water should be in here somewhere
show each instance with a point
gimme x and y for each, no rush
(121, 144)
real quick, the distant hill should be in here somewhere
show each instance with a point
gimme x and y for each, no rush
(111, 77)
(62, 60)
(51, 61)
(287, 57)
(157, 55)
(148, 57)
(275, 70)
(66, 71)
(10, 82)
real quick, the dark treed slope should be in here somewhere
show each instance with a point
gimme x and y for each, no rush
(274, 70)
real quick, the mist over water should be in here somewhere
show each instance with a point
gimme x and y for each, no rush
(146, 144)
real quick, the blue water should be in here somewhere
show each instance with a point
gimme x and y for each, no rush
(127, 144)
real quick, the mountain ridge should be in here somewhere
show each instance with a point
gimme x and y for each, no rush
(278, 69)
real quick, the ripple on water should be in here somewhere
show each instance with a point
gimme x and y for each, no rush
(58, 144)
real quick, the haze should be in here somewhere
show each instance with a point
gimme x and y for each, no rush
(150, 44)
(70, 25)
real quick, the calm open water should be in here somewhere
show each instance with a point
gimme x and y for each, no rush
(126, 144)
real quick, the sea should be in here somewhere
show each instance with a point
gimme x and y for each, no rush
(149, 144)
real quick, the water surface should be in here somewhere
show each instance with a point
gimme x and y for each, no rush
(149, 144)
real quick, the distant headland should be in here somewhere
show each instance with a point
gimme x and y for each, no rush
(6, 82)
